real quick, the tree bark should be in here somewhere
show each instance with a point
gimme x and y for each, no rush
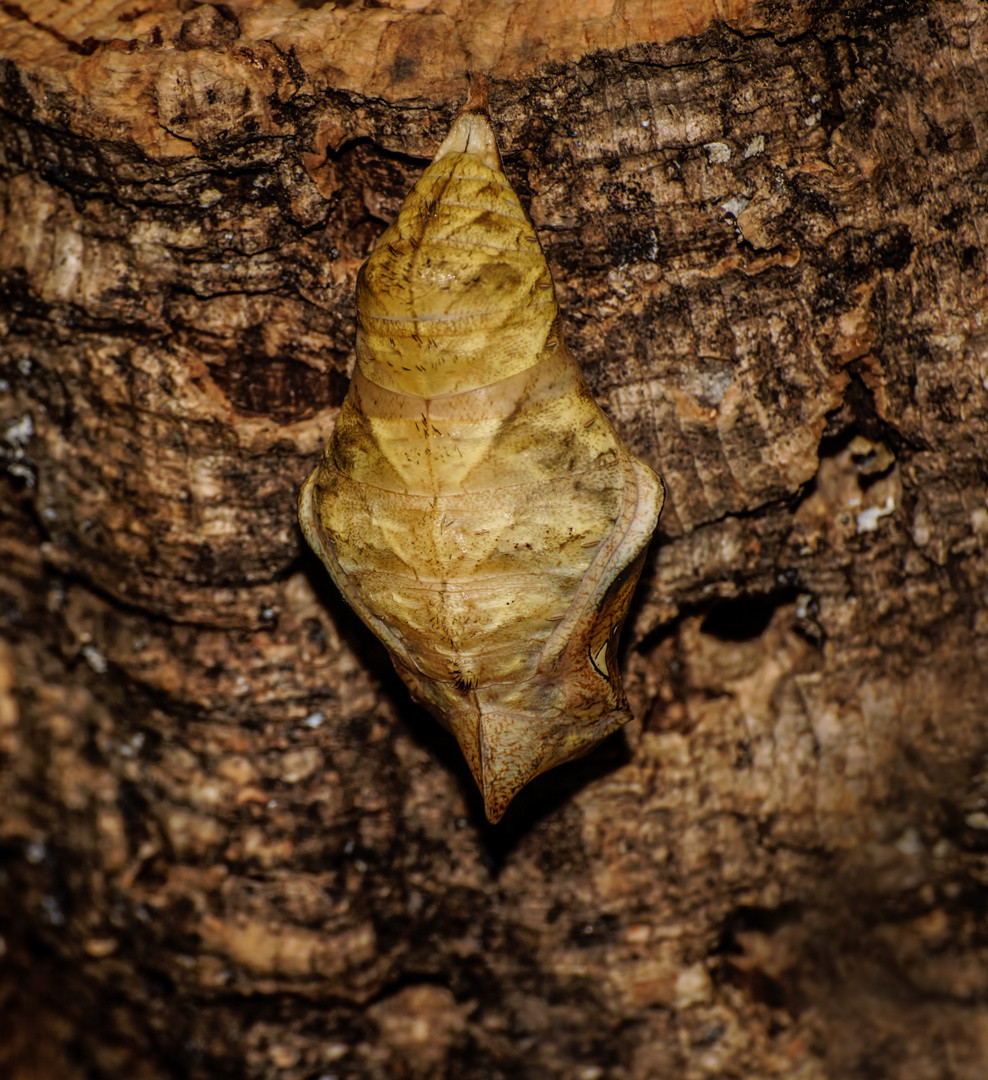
(231, 846)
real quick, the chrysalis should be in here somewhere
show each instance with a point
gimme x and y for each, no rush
(474, 505)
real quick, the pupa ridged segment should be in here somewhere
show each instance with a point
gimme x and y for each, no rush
(474, 505)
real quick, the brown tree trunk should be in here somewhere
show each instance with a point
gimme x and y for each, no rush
(230, 844)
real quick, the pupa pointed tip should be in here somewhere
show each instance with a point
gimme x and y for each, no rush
(472, 132)
(497, 788)
(510, 755)
(496, 806)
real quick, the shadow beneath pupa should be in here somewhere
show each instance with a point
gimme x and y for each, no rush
(541, 798)
(547, 795)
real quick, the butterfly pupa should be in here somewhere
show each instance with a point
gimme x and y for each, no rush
(474, 505)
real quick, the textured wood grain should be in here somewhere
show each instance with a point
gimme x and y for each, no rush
(208, 71)
(229, 843)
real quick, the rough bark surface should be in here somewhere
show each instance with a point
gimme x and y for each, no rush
(230, 845)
